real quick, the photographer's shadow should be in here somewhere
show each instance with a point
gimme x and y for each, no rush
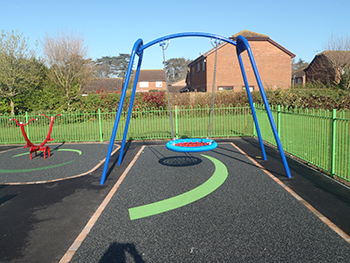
(117, 253)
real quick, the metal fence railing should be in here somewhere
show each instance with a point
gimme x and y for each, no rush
(145, 125)
(320, 138)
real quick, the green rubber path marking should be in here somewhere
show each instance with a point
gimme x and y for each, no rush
(34, 169)
(40, 168)
(217, 179)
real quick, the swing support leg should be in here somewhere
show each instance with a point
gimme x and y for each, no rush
(242, 45)
(120, 159)
(134, 51)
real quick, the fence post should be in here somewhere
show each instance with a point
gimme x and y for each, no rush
(254, 127)
(176, 124)
(27, 128)
(279, 119)
(334, 131)
(100, 124)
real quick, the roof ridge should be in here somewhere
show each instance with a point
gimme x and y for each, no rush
(248, 33)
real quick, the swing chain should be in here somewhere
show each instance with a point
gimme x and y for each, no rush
(215, 44)
(164, 46)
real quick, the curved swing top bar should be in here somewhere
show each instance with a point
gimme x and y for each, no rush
(241, 46)
(186, 34)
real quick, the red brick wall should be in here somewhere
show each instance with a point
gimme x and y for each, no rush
(273, 64)
(198, 79)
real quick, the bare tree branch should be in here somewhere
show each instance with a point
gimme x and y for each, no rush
(66, 55)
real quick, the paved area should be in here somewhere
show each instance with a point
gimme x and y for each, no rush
(247, 217)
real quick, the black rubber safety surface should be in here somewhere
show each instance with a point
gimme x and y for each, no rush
(249, 218)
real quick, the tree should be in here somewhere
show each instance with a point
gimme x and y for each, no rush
(19, 68)
(111, 67)
(108, 66)
(122, 63)
(66, 56)
(301, 64)
(176, 69)
(105, 67)
(337, 51)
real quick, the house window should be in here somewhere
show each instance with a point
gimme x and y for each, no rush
(198, 66)
(251, 88)
(159, 84)
(192, 69)
(144, 84)
(203, 65)
(225, 88)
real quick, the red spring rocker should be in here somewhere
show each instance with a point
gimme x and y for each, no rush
(41, 147)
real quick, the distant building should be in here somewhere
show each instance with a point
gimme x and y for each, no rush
(327, 66)
(108, 85)
(151, 79)
(274, 64)
(179, 86)
(299, 77)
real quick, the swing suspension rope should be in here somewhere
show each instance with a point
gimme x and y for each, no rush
(211, 113)
(164, 47)
(190, 145)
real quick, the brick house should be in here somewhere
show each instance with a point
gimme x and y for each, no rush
(178, 87)
(151, 79)
(108, 85)
(274, 63)
(299, 77)
(327, 66)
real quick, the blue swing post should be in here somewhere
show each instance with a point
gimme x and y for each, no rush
(136, 46)
(137, 73)
(138, 49)
(242, 45)
(251, 103)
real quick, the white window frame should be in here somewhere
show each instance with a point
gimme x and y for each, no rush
(159, 84)
(144, 84)
(251, 88)
(221, 88)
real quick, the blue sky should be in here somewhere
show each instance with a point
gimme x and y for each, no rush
(112, 27)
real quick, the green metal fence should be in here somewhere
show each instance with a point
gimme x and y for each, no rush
(320, 138)
(145, 124)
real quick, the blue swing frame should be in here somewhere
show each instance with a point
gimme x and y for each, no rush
(241, 46)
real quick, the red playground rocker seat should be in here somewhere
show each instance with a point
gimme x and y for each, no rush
(35, 148)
